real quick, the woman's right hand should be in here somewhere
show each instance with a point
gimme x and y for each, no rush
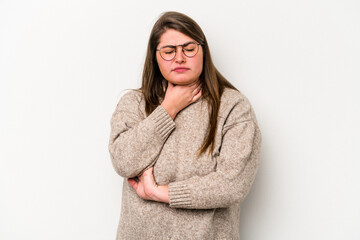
(178, 97)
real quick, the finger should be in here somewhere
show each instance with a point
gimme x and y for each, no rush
(148, 172)
(197, 96)
(198, 85)
(197, 89)
(133, 183)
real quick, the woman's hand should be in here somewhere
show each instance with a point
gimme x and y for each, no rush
(178, 97)
(147, 189)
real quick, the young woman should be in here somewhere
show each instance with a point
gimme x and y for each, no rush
(187, 142)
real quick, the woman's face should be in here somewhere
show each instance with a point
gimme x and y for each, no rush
(181, 70)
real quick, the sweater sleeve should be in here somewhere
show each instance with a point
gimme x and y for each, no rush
(136, 141)
(237, 164)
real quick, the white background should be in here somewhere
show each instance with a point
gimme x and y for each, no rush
(64, 65)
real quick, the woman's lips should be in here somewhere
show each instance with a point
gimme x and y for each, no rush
(180, 69)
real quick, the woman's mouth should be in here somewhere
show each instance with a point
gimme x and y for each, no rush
(180, 69)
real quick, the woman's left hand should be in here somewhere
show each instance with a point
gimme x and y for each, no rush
(147, 189)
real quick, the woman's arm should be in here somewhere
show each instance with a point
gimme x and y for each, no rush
(237, 165)
(146, 187)
(236, 168)
(135, 142)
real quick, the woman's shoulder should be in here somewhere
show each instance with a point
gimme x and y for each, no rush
(234, 102)
(130, 100)
(131, 97)
(233, 96)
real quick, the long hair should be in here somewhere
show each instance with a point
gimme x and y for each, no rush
(213, 83)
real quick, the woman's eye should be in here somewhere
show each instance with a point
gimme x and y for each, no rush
(190, 47)
(168, 51)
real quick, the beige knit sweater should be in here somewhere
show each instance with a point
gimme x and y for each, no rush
(205, 193)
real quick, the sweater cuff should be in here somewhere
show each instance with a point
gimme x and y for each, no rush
(179, 195)
(164, 123)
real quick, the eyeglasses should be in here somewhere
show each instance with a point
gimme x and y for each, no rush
(189, 49)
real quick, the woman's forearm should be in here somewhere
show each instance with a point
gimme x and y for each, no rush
(147, 189)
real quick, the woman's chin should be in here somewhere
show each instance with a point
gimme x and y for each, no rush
(182, 82)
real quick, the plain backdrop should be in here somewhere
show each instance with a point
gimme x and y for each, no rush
(65, 64)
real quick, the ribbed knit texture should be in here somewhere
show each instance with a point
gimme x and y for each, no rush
(205, 193)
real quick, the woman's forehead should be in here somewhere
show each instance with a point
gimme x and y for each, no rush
(173, 37)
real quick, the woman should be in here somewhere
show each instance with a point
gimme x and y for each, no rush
(187, 142)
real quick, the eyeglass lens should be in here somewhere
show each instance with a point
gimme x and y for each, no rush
(169, 52)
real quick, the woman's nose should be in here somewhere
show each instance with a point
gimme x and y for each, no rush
(179, 55)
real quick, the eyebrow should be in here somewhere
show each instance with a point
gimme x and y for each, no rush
(178, 45)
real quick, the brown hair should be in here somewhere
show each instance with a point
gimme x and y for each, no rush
(213, 83)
